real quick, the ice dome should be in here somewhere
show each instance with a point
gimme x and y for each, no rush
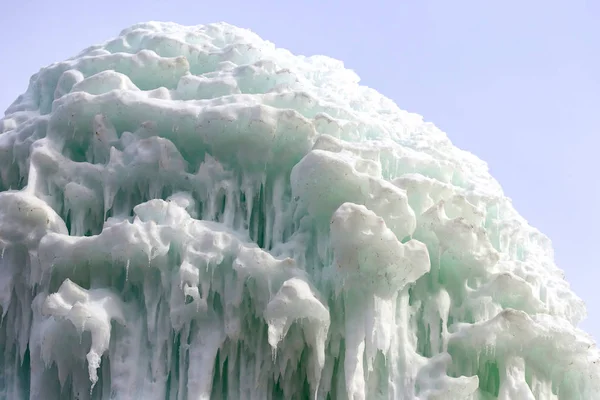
(193, 213)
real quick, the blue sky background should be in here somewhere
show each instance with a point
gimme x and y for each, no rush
(515, 82)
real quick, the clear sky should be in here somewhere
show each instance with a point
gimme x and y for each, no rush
(515, 82)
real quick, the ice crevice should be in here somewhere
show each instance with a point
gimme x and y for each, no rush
(193, 213)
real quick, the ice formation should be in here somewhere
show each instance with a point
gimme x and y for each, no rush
(193, 213)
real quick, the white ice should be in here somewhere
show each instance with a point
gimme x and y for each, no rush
(193, 213)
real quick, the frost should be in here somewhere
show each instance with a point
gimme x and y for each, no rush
(192, 213)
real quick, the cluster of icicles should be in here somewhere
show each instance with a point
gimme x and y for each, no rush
(192, 213)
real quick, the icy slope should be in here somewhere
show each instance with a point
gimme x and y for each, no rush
(192, 213)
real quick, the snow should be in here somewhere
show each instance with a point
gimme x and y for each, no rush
(193, 213)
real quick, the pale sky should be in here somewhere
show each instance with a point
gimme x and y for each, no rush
(515, 82)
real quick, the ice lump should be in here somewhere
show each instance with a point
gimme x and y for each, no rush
(193, 213)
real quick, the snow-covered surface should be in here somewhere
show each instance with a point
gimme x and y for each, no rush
(193, 213)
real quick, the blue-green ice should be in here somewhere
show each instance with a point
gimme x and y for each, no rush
(191, 213)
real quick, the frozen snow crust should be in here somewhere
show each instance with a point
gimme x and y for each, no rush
(192, 213)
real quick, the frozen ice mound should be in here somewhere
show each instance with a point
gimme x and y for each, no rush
(193, 213)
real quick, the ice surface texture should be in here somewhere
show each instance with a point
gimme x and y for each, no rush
(192, 213)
